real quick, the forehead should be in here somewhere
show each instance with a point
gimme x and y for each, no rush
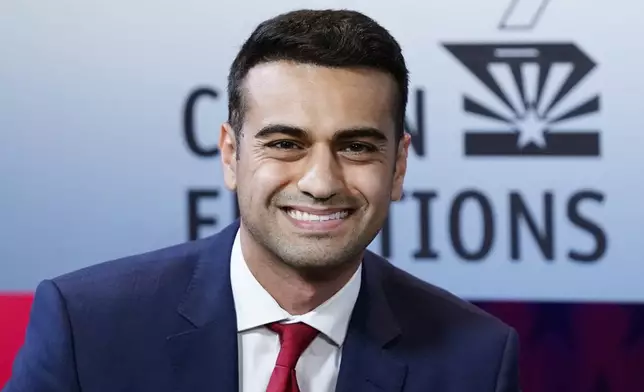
(317, 98)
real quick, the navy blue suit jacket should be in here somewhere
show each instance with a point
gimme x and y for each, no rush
(165, 321)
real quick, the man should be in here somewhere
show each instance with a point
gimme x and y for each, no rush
(287, 298)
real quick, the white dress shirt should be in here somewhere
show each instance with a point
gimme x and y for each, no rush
(258, 347)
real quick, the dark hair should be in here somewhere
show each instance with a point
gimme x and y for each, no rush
(332, 38)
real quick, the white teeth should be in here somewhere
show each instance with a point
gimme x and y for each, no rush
(308, 217)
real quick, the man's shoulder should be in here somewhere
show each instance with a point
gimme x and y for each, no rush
(424, 304)
(440, 331)
(150, 273)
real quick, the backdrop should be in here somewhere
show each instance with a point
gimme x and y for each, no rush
(524, 179)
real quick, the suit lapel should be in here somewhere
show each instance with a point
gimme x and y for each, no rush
(204, 354)
(367, 363)
(204, 351)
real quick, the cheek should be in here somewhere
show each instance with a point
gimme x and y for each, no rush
(267, 178)
(270, 172)
(375, 188)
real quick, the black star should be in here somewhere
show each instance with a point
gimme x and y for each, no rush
(553, 319)
(635, 333)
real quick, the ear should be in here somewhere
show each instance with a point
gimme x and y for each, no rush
(228, 150)
(401, 167)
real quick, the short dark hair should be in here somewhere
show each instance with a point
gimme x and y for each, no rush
(332, 38)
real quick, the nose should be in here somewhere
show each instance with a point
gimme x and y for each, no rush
(322, 178)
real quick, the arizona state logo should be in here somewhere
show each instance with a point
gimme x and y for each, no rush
(532, 111)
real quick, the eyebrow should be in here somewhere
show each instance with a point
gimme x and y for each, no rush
(340, 135)
(275, 129)
(361, 133)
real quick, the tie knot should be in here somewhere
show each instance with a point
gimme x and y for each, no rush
(294, 339)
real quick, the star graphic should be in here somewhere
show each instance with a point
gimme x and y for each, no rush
(553, 319)
(531, 129)
(635, 333)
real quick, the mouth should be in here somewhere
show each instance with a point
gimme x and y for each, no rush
(322, 219)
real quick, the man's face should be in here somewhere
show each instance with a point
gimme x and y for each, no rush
(317, 163)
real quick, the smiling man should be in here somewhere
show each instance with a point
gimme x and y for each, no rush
(287, 298)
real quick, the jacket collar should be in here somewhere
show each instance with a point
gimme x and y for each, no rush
(204, 355)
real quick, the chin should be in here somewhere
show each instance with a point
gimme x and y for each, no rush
(318, 255)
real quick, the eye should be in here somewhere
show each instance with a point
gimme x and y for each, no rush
(357, 148)
(283, 145)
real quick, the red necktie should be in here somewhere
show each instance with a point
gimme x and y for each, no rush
(294, 339)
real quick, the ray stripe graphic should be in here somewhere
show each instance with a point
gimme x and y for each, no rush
(473, 107)
(579, 94)
(530, 82)
(581, 68)
(589, 106)
(489, 81)
(502, 74)
(518, 81)
(559, 72)
(544, 73)
(471, 55)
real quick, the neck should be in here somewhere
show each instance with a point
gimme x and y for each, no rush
(298, 291)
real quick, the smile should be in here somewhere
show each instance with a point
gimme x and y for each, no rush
(321, 221)
(319, 217)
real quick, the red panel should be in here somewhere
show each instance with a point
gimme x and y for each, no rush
(14, 315)
(564, 347)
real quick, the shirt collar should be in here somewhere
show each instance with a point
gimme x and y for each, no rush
(255, 307)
